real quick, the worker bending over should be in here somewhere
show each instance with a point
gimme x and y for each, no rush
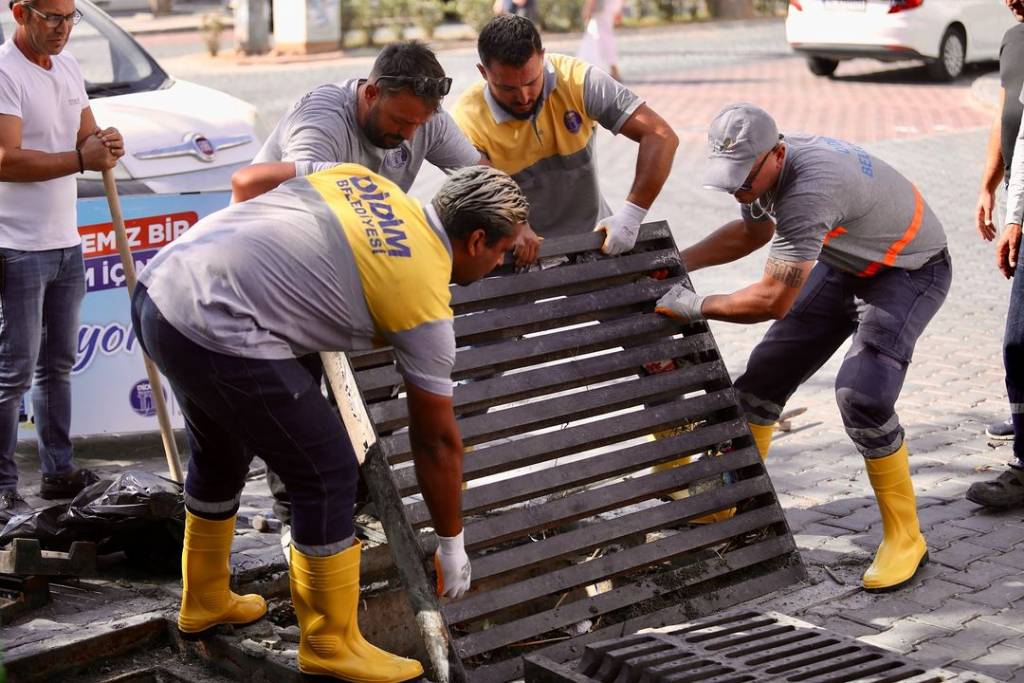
(856, 251)
(337, 259)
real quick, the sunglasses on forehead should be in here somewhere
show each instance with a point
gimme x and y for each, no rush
(422, 86)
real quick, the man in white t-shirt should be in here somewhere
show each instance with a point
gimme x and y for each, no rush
(47, 135)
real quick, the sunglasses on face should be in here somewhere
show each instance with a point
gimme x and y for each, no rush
(422, 86)
(748, 184)
(55, 20)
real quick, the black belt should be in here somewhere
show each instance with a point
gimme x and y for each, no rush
(939, 257)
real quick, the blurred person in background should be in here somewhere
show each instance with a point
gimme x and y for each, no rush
(600, 17)
(999, 153)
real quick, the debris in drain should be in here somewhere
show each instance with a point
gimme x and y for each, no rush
(138, 513)
(266, 524)
(253, 649)
(289, 634)
(281, 613)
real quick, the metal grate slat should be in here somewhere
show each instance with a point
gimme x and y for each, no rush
(525, 520)
(618, 598)
(540, 414)
(530, 450)
(588, 471)
(545, 380)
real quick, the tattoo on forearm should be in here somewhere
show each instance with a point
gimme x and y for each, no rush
(787, 273)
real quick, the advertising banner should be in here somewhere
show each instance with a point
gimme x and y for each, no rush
(109, 389)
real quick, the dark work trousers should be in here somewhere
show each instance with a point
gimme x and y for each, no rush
(885, 314)
(282, 502)
(1013, 360)
(235, 407)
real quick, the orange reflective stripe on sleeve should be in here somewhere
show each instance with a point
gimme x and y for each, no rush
(899, 245)
(834, 232)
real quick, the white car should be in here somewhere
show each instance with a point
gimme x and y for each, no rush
(179, 136)
(946, 34)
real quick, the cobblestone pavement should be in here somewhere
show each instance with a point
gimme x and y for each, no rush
(967, 609)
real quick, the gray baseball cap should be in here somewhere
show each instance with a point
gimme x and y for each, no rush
(737, 136)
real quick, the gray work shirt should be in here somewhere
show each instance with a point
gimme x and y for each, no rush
(838, 204)
(322, 126)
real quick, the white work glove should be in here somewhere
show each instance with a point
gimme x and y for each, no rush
(621, 229)
(452, 565)
(681, 303)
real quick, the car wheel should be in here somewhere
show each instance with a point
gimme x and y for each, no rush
(822, 66)
(952, 54)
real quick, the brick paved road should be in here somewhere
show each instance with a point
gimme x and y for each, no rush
(968, 611)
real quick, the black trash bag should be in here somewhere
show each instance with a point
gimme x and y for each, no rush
(44, 525)
(138, 513)
(130, 501)
(157, 550)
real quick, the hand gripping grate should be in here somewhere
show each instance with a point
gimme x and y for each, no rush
(736, 647)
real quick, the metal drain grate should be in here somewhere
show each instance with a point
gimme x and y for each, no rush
(564, 374)
(734, 648)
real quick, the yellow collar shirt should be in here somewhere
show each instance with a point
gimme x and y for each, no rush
(552, 155)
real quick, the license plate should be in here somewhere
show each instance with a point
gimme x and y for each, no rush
(846, 5)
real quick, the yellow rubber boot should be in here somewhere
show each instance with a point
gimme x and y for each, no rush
(903, 549)
(661, 467)
(206, 600)
(325, 592)
(762, 439)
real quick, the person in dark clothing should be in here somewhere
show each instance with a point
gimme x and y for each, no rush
(1008, 489)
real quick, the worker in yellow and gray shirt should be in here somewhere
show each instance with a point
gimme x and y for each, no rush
(335, 259)
(535, 117)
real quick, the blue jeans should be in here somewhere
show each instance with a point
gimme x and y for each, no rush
(40, 294)
(885, 314)
(235, 407)
(1013, 359)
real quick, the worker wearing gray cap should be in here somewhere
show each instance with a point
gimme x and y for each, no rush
(855, 251)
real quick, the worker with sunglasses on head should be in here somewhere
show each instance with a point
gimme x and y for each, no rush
(389, 122)
(855, 252)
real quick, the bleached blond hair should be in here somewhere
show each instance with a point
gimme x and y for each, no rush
(480, 198)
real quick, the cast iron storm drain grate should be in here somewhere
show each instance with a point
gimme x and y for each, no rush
(564, 374)
(737, 647)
